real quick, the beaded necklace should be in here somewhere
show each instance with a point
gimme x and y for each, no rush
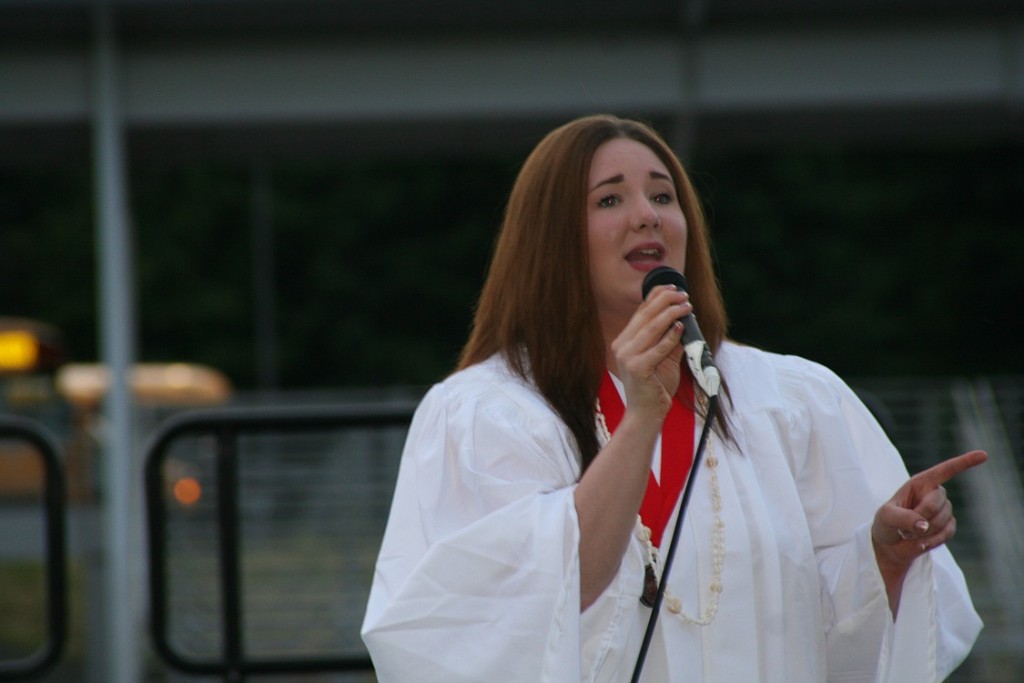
(652, 569)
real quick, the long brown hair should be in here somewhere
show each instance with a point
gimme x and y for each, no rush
(537, 306)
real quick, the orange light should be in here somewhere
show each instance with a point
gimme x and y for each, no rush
(187, 491)
(19, 350)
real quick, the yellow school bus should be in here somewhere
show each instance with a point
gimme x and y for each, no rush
(38, 381)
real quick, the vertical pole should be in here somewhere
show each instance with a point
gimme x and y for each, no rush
(116, 345)
(264, 297)
(682, 132)
(230, 554)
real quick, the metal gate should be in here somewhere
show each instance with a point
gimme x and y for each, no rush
(263, 529)
(30, 443)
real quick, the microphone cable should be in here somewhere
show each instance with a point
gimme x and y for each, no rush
(667, 563)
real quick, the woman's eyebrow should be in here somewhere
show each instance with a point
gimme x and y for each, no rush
(609, 181)
(655, 175)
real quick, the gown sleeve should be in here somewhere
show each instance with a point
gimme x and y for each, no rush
(477, 577)
(848, 469)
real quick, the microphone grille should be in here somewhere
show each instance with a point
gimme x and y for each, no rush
(664, 275)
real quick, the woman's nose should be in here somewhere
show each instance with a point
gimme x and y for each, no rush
(646, 215)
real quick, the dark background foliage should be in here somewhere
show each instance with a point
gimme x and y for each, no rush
(872, 261)
(875, 262)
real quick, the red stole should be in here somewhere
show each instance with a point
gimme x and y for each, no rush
(676, 453)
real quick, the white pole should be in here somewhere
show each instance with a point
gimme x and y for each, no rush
(121, 646)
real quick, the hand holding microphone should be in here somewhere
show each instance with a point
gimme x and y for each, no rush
(698, 355)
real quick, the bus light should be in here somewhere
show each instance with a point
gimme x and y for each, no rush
(19, 351)
(30, 347)
(187, 491)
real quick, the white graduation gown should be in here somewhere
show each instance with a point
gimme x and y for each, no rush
(478, 574)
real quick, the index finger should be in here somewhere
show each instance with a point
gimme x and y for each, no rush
(947, 469)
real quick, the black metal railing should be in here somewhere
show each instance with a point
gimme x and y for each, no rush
(224, 427)
(50, 650)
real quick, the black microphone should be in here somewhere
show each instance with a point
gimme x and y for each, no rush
(698, 355)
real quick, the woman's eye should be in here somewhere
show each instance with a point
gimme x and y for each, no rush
(610, 200)
(663, 198)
